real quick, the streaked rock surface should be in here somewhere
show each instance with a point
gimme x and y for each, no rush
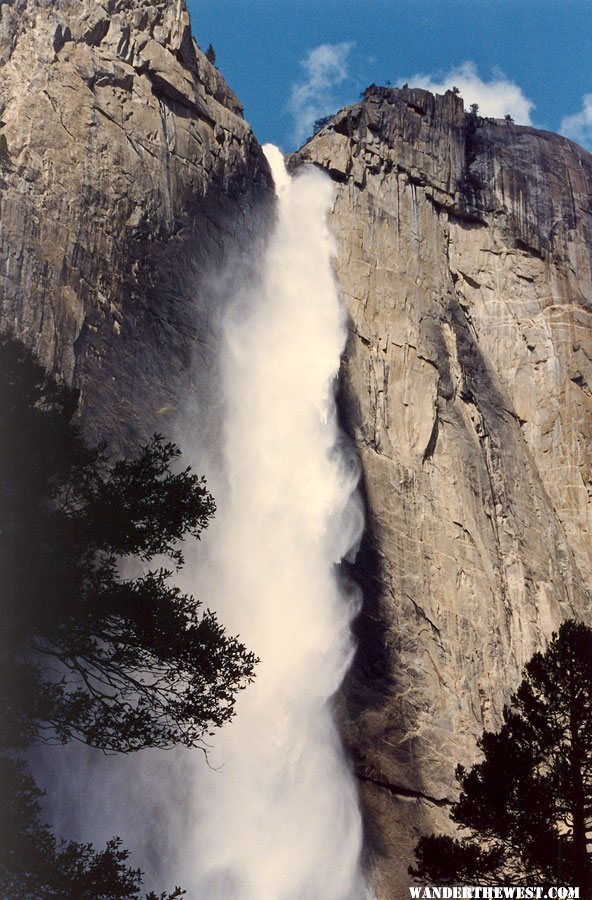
(129, 177)
(464, 254)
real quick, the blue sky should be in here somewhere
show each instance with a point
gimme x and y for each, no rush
(291, 61)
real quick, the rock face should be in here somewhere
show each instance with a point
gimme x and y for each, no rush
(127, 175)
(128, 179)
(465, 256)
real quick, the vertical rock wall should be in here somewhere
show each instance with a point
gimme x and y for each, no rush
(128, 175)
(464, 254)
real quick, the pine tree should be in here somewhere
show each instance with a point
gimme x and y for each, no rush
(86, 653)
(527, 807)
(34, 864)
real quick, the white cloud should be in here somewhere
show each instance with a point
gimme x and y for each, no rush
(496, 98)
(579, 126)
(325, 67)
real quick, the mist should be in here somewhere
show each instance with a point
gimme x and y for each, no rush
(276, 813)
(272, 814)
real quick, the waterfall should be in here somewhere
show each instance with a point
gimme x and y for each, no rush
(277, 811)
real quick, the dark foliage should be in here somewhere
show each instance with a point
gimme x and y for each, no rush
(33, 864)
(527, 807)
(321, 123)
(118, 662)
(211, 54)
(443, 860)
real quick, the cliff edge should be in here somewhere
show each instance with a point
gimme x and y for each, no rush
(465, 257)
(127, 176)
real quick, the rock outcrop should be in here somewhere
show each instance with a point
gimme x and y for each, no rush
(127, 176)
(465, 256)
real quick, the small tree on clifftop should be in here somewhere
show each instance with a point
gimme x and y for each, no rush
(527, 807)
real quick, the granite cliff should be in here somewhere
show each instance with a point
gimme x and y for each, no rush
(128, 178)
(465, 257)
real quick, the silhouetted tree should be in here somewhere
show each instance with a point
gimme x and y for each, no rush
(33, 864)
(321, 123)
(211, 54)
(527, 807)
(117, 662)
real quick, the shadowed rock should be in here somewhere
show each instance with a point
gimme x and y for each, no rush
(132, 177)
(464, 254)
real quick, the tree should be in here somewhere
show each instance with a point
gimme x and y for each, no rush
(87, 653)
(211, 54)
(34, 864)
(115, 660)
(474, 110)
(321, 123)
(527, 807)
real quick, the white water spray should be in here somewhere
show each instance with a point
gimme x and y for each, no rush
(278, 815)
